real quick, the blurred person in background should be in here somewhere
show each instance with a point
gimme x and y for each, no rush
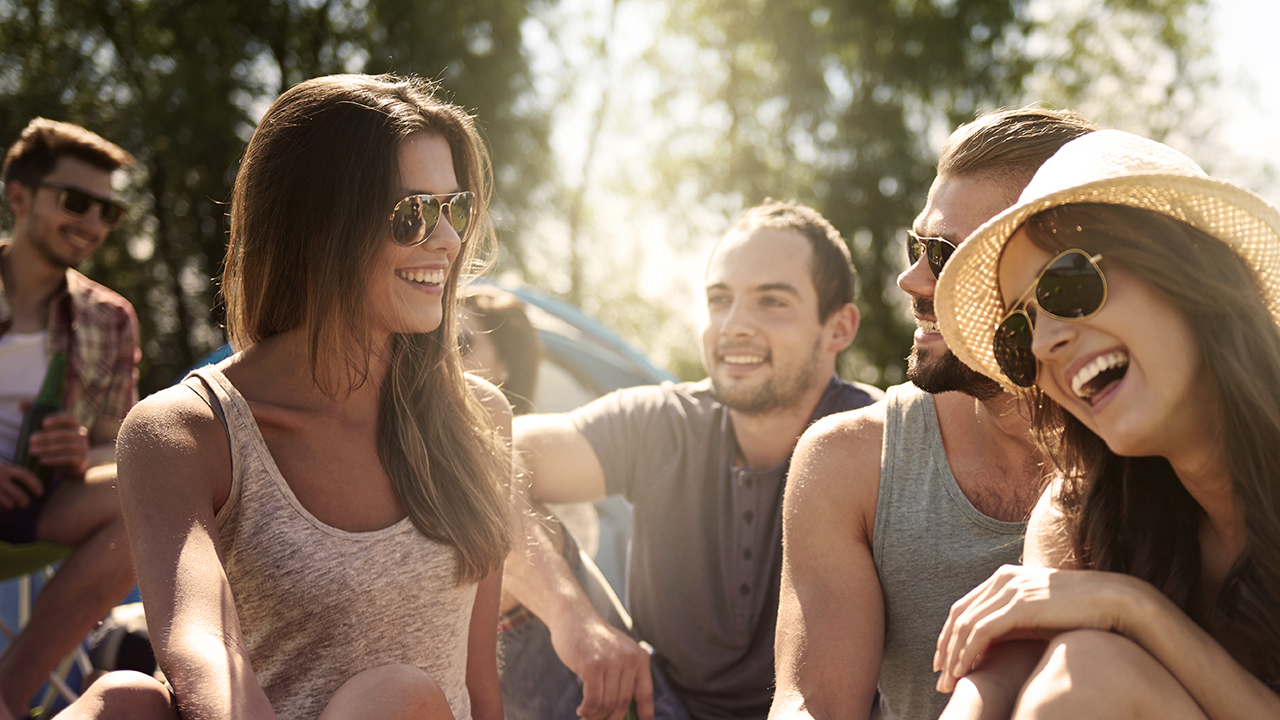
(500, 344)
(58, 185)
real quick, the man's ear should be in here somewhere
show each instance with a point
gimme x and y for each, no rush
(842, 327)
(19, 196)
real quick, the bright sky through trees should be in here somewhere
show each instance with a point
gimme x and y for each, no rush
(1248, 51)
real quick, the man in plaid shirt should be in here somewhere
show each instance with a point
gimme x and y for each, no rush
(57, 183)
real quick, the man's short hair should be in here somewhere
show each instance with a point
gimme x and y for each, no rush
(1010, 144)
(43, 141)
(834, 276)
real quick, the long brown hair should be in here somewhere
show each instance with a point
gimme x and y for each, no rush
(1132, 514)
(309, 215)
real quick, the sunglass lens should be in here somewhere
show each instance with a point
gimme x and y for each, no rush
(939, 254)
(414, 218)
(460, 209)
(1071, 287)
(112, 213)
(1012, 348)
(913, 249)
(76, 202)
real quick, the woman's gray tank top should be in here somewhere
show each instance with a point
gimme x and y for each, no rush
(931, 546)
(316, 604)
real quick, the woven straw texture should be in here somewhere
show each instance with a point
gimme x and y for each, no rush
(1110, 167)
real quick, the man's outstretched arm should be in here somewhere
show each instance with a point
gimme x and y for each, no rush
(558, 464)
(831, 616)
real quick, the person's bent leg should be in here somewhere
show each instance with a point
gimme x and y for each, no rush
(1098, 674)
(126, 695)
(389, 692)
(95, 577)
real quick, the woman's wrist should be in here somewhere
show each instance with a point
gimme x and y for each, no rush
(1142, 610)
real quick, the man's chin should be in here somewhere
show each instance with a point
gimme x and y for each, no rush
(945, 373)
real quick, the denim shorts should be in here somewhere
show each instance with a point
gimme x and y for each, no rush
(18, 525)
(536, 685)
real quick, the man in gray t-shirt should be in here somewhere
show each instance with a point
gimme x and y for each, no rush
(704, 465)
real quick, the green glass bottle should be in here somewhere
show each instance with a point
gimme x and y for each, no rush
(632, 712)
(47, 402)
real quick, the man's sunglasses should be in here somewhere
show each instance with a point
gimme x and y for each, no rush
(936, 251)
(78, 203)
(414, 218)
(1070, 287)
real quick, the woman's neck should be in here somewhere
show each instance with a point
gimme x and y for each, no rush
(283, 362)
(1207, 478)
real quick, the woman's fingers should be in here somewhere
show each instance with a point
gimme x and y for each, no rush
(974, 623)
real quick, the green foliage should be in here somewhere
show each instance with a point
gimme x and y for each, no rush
(181, 85)
(840, 105)
(843, 106)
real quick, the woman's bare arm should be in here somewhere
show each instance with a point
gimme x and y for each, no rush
(174, 470)
(482, 638)
(1031, 601)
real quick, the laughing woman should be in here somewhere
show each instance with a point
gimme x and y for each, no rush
(1135, 301)
(319, 522)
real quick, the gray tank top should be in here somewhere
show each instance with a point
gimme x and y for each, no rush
(318, 605)
(931, 546)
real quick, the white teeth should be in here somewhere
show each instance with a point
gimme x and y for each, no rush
(1099, 364)
(743, 359)
(929, 326)
(430, 277)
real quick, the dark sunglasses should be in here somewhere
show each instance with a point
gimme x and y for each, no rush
(78, 203)
(1070, 287)
(414, 218)
(937, 251)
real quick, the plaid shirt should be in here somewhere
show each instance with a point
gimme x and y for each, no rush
(99, 332)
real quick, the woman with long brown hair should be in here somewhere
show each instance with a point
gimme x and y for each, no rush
(319, 522)
(1136, 301)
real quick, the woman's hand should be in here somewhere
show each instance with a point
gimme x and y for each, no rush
(1031, 603)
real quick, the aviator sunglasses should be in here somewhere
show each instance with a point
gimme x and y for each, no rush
(78, 203)
(1070, 287)
(937, 251)
(414, 218)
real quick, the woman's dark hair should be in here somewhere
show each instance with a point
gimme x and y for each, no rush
(309, 217)
(1132, 514)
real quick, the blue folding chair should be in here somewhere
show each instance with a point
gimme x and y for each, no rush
(29, 566)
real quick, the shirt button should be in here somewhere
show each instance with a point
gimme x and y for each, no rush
(746, 554)
(748, 516)
(745, 589)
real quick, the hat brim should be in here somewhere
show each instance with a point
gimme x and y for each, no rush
(968, 302)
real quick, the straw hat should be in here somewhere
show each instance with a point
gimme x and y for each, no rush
(1107, 166)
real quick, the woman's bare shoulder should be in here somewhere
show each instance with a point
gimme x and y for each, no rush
(1048, 542)
(174, 435)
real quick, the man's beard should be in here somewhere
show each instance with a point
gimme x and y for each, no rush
(776, 393)
(946, 373)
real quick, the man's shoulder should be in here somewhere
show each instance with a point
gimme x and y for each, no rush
(96, 298)
(667, 396)
(847, 431)
(837, 465)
